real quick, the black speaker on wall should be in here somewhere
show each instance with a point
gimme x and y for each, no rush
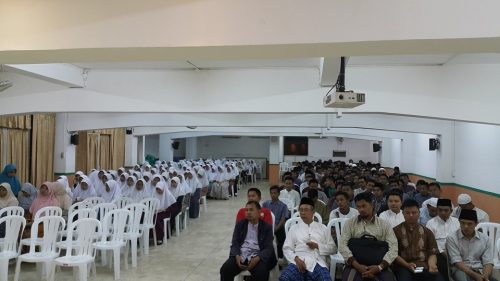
(175, 145)
(74, 139)
(433, 144)
(129, 131)
(376, 147)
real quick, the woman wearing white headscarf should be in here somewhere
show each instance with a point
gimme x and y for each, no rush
(176, 189)
(139, 191)
(203, 178)
(184, 185)
(167, 209)
(195, 186)
(147, 177)
(62, 196)
(85, 190)
(64, 181)
(129, 187)
(122, 182)
(101, 184)
(7, 198)
(111, 191)
(220, 187)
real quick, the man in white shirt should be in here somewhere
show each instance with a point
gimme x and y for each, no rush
(465, 203)
(343, 211)
(443, 225)
(306, 247)
(394, 215)
(291, 195)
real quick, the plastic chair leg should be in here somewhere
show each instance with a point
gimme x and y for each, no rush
(82, 272)
(333, 270)
(177, 225)
(116, 262)
(134, 252)
(145, 241)
(18, 270)
(4, 270)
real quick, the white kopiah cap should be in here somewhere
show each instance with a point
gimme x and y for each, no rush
(464, 199)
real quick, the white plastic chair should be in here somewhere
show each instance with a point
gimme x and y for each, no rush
(149, 222)
(134, 231)
(492, 230)
(291, 222)
(92, 201)
(43, 212)
(48, 250)
(317, 216)
(84, 230)
(336, 258)
(12, 211)
(101, 209)
(123, 202)
(203, 200)
(497, 255)
(14, 227)
(114, 225)
(78, 214)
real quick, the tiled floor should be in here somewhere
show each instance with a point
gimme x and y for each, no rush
(194, 256)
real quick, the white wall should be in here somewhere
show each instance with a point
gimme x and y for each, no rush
(219, 147)
(356, 150)
(416, 157)
(477, 156)
(152, 145)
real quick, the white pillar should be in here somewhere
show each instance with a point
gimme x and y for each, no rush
(64, 151)
(166, 150)
(281, 144)
(130, 150)
(274, 150)
(191, 148)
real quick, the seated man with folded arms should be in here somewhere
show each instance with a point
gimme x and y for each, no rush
(417, 248)
(367, 223)
(470, 251)
(306, 247)
(251, 247)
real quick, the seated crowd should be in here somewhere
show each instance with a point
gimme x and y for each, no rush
(392, 230)
(176, 185)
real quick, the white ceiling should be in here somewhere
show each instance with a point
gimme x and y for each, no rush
(406, 60)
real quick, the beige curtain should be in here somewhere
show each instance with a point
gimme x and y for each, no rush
(18, 153)
(42, 148)
(118, 148)
(92, 150)
(105, 152)
(16, 122)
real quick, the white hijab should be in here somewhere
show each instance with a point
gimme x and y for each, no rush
(127, 190)
(81, 194)
(114, 191)
(176, 191)
(166, 199)
(138, 195)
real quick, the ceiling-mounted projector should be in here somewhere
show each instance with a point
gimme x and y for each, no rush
(342, 98)
(5, 84)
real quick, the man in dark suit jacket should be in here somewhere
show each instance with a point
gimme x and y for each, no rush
(251, 248)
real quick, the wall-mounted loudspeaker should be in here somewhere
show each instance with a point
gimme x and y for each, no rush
(175, 145)
(434, 144)
(74, 139)
(129, 131)
(376, 147)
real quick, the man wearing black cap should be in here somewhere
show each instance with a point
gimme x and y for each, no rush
(306, 247)
(443, 225)
(470, 251)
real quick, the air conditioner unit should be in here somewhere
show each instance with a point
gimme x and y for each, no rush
(343, 100)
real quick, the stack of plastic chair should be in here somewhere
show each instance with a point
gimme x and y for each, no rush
(81, 253)
(92, 201)
(47, 245)
(152, 206)
(114, 225)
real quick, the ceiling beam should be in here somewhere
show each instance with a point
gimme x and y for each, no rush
(59, 73)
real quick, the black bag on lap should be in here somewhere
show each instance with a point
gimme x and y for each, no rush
(367, 250)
